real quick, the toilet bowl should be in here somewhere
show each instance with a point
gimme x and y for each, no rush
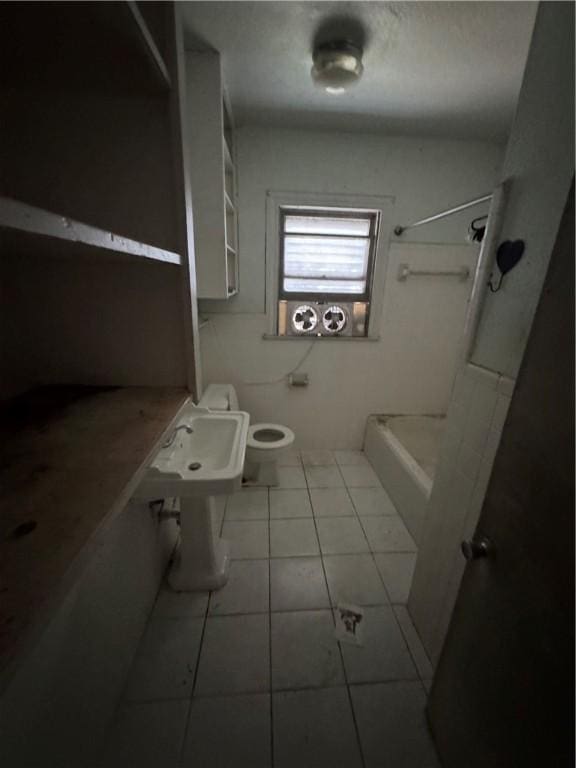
(265, 443)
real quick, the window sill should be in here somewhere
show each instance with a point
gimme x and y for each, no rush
(273, 337)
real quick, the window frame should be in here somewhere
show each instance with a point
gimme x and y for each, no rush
(334, 213)
(275, 201)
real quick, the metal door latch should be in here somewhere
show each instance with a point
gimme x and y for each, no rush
(475, 548)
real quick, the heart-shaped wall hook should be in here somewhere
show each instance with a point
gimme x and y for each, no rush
(508, 255)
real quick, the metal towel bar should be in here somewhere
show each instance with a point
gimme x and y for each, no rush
(404, 272)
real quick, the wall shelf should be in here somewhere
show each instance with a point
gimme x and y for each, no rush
(229, 204)
(20, 219)
(149, 45)
(228, 163)
(76, 48)
(71, 457)
(213, 177)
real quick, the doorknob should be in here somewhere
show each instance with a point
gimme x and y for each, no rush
(475, 548)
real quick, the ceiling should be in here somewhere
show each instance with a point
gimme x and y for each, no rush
(447, 69)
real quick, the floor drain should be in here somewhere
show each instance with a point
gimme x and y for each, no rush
(195, 465)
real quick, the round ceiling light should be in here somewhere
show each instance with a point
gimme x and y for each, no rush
(337, 66)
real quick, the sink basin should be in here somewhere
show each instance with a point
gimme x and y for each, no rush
(202, 458)
(206, 461)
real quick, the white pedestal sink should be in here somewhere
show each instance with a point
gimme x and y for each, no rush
(203, 458)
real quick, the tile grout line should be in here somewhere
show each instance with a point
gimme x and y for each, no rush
(420, 677)
(349, 693)
(271, 731)
(391, 605)
(197, 665)
(259, 692)
(348, 688)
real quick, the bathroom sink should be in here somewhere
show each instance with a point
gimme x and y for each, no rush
(203, 456)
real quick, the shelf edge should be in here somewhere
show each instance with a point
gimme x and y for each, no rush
(26, 218)
(149, 44)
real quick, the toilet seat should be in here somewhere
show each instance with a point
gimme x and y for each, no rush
(271, 437)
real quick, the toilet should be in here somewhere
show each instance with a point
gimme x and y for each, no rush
(265, 443)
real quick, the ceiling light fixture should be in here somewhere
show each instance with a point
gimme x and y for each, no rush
(337, 66)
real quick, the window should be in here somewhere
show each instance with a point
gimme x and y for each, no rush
(326, 263)
(326, 254)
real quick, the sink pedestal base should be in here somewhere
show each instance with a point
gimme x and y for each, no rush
(203, 560)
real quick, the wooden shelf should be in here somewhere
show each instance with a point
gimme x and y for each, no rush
(228, 162)
(212, 176)
(101, 46)
(149, 45)
(70, 459)
(23, 220)
(229, 204)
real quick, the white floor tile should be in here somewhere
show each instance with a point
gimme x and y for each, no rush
(229, 732)
(324, 477)
(147, 735)
(387, 534)
(396, 569)
(419, 655)
(290, 458)
(248, 539)
(354, 579)
(179, 605)
(350, 458)
(384, 654)
(165, 660)
(317, 458)
(235, 656)
(372, 502)
(341, 535)
(331, 502)
(290, 538)
(291, 477)
(304, 651)
(360, 476)
(392, 725)
(289, 503)
(315, 729)
(246, 591)
(297, 583)
(248, 504)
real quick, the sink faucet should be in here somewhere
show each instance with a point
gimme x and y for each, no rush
(172, 437)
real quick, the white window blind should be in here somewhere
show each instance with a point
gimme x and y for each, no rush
(326, 254)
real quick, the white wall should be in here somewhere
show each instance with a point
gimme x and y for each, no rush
(539, 165)
(474, 424)
(56, 709)
(410, 369)
(79, 321)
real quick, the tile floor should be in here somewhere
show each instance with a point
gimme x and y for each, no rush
(251, 676)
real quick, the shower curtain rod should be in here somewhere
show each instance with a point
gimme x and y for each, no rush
(400, 230)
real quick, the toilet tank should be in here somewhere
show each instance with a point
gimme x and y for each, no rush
(219, 397)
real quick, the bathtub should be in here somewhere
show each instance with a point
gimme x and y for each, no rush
(404, 452)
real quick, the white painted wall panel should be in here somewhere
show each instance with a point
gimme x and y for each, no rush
(539, 163)
(410, 369)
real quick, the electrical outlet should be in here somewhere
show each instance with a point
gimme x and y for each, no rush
(298, 380)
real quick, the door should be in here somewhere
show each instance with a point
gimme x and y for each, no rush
(503, 692)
